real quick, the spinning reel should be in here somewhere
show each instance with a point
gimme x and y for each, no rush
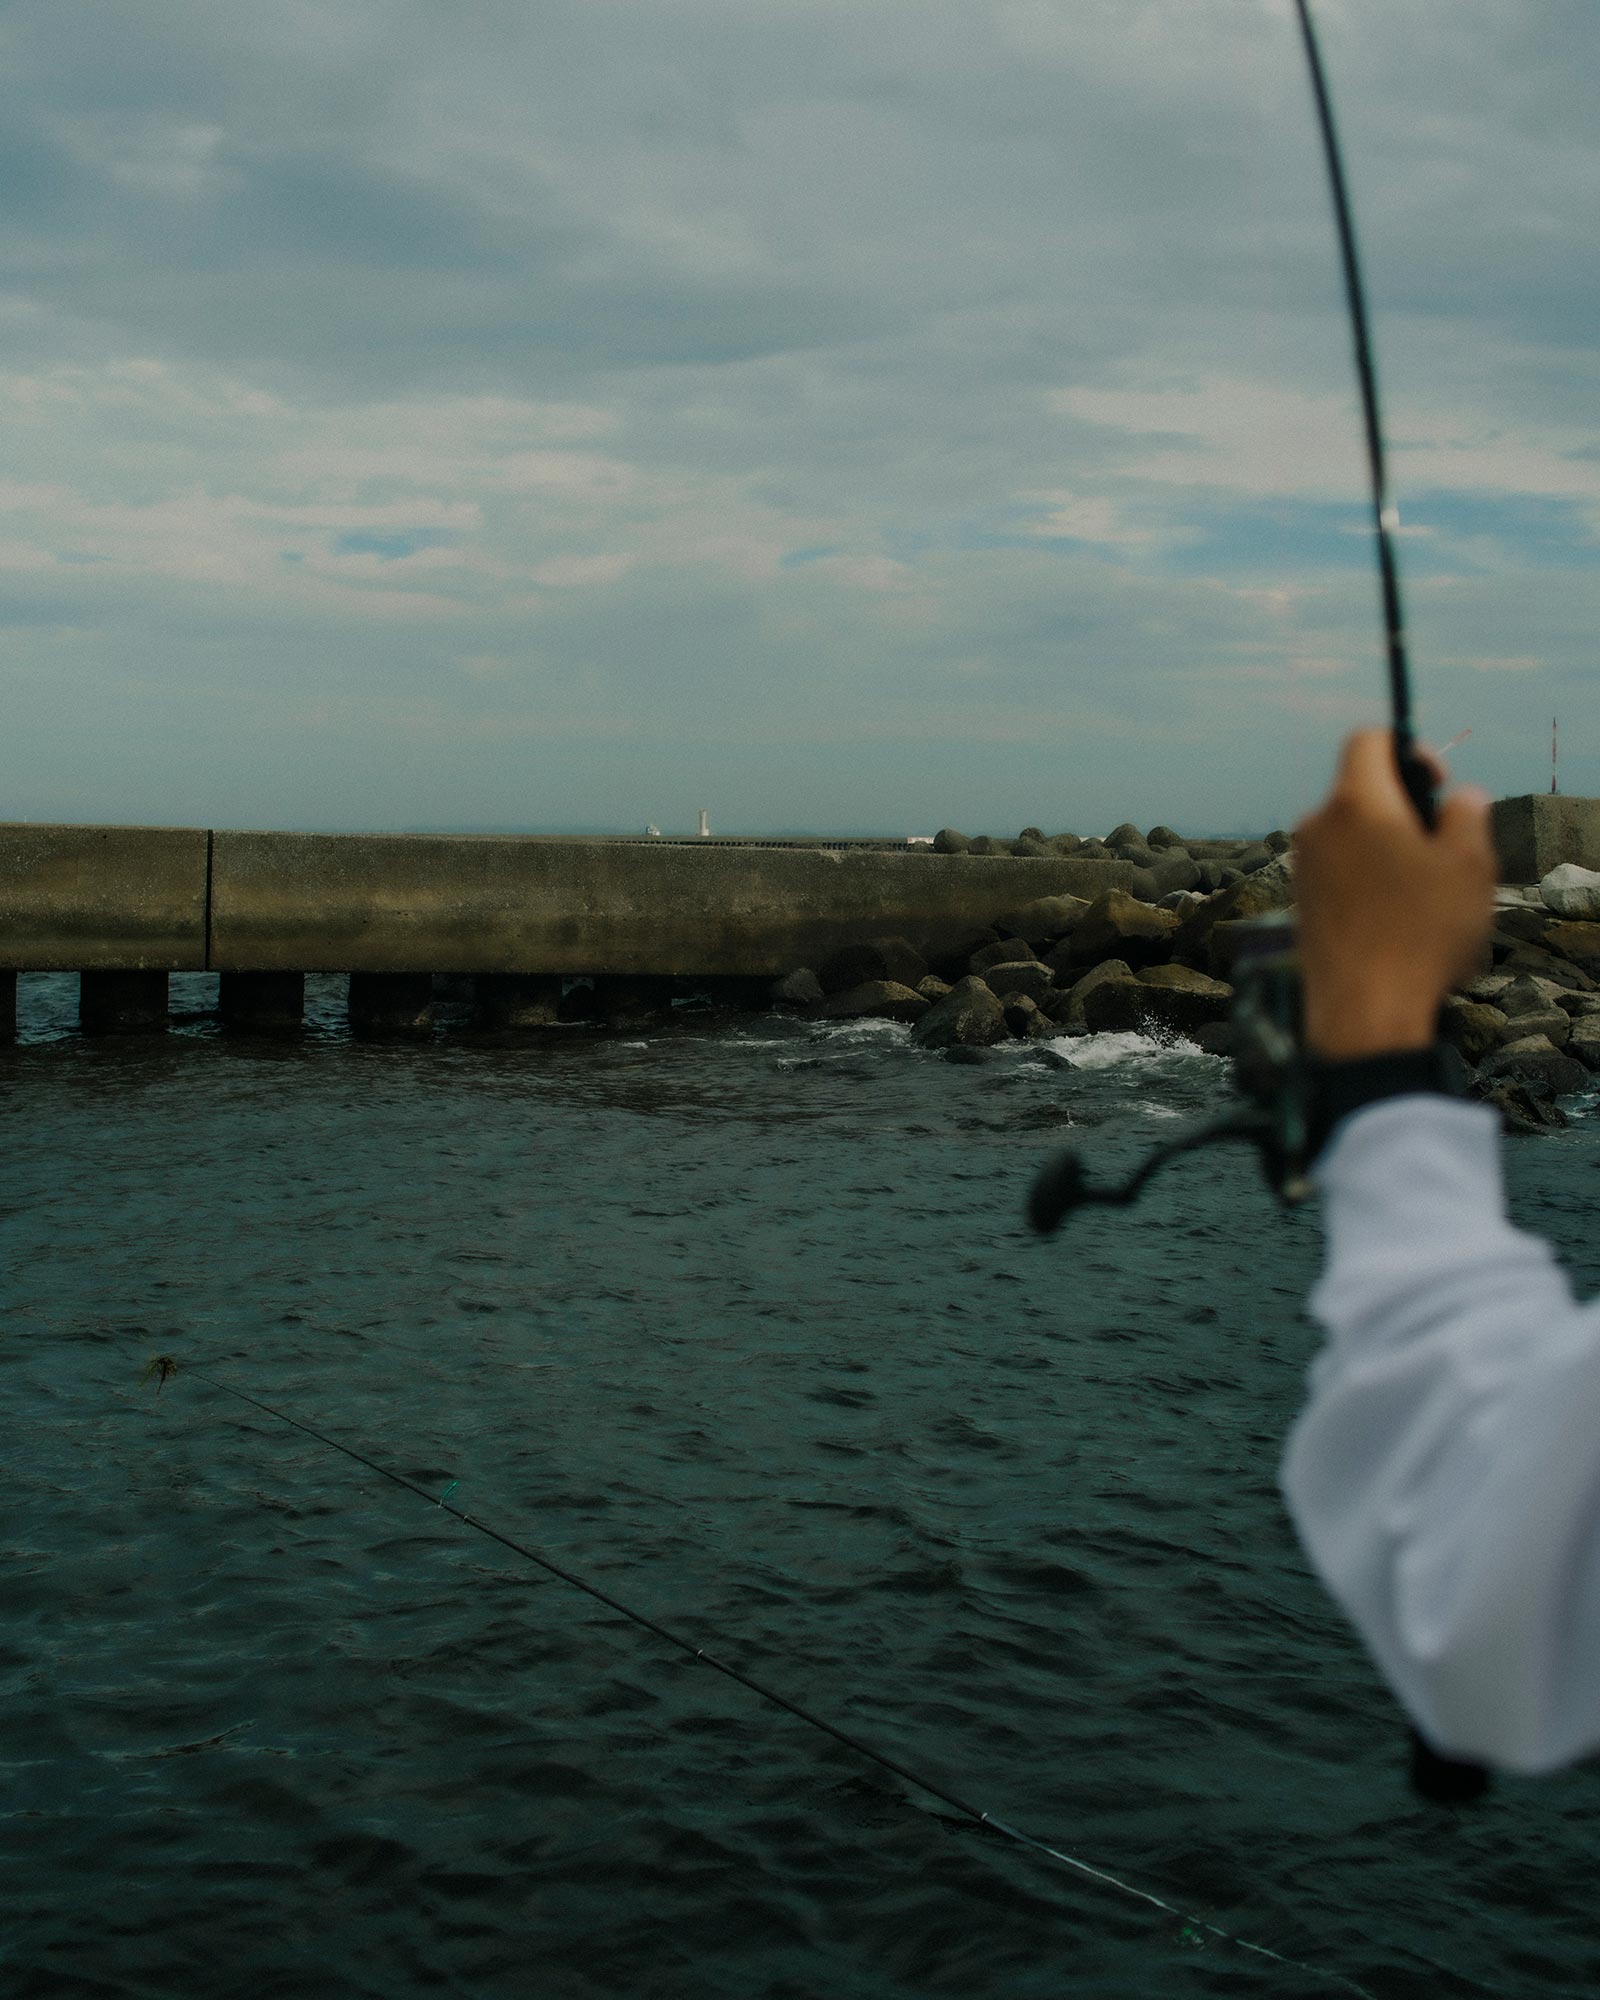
(1270, 1073)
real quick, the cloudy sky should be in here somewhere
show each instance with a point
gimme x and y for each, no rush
(851, 414)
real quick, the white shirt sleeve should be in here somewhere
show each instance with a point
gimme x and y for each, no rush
(1445, 1473)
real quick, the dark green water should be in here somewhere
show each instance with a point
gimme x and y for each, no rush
(740, 1322)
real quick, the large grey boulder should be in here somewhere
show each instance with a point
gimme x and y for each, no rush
(1174, 997)
(1554, 1024)
(1546, 965)
(1115, 1006)
(1534, 1059)
(1526, 995)
(1487, 987)
(1143, 858)
(1163, 836)
(1022, 976)
(1524, 923)
(1522, 1108)
(1174, 871)
(800, 988)
(1583, 1045)
(1573, 892)
(893, 958)
(1025, 1021)
(1044, 919)
(1117, 925)
(1008, 951)
(948, 841)
(1269, 889)
(1577, 942)
(1472, 1027)
(1183, 999)
(873, 999)
(1065, 1005)
(969, 1016)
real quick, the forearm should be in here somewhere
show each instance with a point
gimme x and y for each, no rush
(1445, 1474)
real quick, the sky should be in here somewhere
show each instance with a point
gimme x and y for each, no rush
(852, 415)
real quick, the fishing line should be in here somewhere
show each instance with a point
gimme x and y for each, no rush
(164, 1368)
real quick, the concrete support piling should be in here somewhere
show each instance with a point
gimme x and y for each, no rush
(518, 1000)
(262, 1003)
(122, 1003)
(623, 1002)
(391, 1003)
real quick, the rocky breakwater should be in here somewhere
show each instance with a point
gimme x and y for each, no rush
(1159, 958)
(1528, 1023)
(1153, 956)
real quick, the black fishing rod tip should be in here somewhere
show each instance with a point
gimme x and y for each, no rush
(1060, 1187)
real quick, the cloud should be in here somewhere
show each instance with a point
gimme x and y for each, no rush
(836, 417)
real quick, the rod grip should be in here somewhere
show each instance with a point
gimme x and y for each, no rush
(1416, 775)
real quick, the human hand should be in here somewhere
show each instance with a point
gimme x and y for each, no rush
(1391, 915)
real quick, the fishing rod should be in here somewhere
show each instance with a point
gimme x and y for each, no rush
(1415, 774)
(1196, 1930)
(1270, 1066)
(1272, 1071)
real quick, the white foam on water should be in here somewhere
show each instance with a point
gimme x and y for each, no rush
(864, 1030)
(1124, 1046)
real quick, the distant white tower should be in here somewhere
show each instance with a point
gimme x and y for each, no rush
(705, 824)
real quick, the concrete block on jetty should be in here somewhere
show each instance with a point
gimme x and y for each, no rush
(1540, 830)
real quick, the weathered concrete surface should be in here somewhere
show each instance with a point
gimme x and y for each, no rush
(488, 904)
(1538, 831)
(92, 898)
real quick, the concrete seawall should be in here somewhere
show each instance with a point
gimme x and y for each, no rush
(99, 898)
(123, 907)
(184, 900)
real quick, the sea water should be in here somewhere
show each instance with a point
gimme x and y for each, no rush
(737, 1319)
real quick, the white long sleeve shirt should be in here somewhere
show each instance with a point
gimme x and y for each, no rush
(1445, 1473)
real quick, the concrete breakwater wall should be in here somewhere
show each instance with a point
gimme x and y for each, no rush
(125, 906)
